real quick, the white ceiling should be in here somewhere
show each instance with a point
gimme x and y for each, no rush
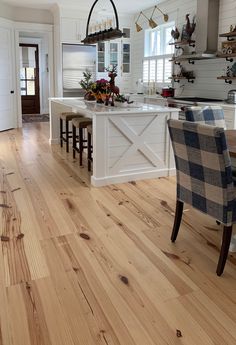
(124, 6)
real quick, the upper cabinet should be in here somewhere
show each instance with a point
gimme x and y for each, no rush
(115, 52)
(101, 57)
(125, 57)
(72, 30)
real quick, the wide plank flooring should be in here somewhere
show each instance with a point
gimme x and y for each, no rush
(84, 266)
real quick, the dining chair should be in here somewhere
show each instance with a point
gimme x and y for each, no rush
(204, 177)
(209, 115)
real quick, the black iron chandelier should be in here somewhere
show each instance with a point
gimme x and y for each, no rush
(102, 35)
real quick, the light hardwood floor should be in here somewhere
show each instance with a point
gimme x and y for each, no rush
(84, 266)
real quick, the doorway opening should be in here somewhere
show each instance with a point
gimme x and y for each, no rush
(29, 79)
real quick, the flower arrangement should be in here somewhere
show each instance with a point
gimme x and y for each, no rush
(86, 84)
(101, 90)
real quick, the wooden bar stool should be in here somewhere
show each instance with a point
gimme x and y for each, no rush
(67, 117)
(80, 123)
(90, 147)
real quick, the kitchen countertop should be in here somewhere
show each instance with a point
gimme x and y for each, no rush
(90, 108)
(221, 103)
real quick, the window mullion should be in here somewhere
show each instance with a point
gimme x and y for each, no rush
(164, 70)
(152, 48)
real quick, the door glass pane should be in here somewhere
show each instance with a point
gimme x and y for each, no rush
(23, 84)
(101, 57)
(113, 54)
(126, 58)
(23, 87)
(27, 57)
(101, 46)
(101, 67)
(126, 48)
(30, 73)
(30, 88)
(113, 59)
(126, 68)
(22, 73)
(113, 47)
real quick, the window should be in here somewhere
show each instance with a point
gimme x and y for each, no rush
(156, 65)
(27, 81)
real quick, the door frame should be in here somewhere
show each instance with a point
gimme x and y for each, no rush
(38, 78)
(40, 29)
(9, 24)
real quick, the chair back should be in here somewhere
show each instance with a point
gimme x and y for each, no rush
(209, 115)
(203, 168)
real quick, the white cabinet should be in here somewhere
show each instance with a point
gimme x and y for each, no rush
(230, 117)
(125, 57)
(108, 53)
(72, 30)
(116, 52)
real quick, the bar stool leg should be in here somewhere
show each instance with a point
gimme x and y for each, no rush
(67, 136)
(61, 132)
(89, 151)
(74, 140)
(80, 146)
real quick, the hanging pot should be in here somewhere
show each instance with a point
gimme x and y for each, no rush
(168, 92)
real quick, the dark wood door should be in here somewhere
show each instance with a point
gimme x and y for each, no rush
(29, 79)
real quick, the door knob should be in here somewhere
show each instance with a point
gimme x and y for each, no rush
(12, 91)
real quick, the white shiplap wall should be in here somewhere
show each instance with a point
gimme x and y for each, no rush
(206, 71)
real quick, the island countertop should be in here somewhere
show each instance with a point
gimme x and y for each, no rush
(89, 108)
(129, 142)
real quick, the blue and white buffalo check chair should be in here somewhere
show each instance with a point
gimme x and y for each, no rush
(209, 115)
(204, 177)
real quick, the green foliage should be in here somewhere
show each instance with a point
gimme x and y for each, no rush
(87, 82)
(120, 98)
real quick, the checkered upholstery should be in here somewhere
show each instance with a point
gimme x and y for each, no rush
(213, 116)
(203, 167)
(210, 115)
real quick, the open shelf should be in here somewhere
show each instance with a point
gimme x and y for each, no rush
(228, 57)
(177, 79)
(230, 35)
(177, 44)
(228, 80)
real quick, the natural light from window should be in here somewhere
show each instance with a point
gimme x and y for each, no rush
(156, 65)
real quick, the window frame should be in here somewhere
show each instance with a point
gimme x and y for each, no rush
(162, 56)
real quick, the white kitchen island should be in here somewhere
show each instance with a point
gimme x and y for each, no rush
(129, 143)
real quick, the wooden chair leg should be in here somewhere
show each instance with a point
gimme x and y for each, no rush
(74, 140)
(81, 146)
(61, 132)
(178, 217)
(89, 151)
(67, 136)
(227, 233)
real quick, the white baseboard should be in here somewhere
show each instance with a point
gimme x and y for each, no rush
(104, 181)
(54, 141)
(172, 172)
